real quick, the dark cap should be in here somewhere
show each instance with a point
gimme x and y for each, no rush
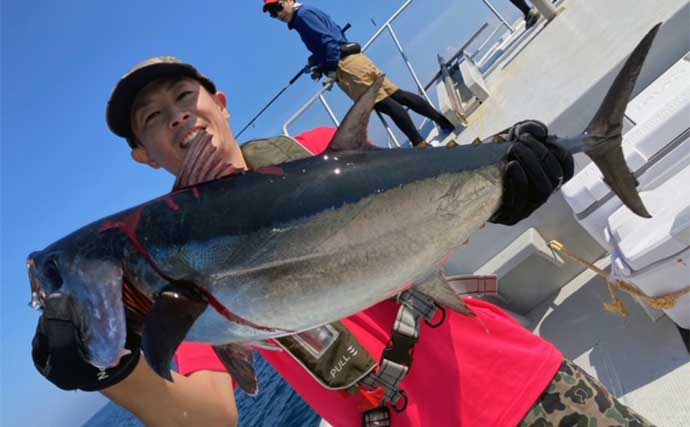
(119, 111)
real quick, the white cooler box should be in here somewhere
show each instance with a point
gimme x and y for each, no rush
(650, 253)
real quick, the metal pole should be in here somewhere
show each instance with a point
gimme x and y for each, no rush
(419, 84)
(546, 8)
(498, 15)
(301, 111)
(488, 39)
(294, 79)
(383, 27)
(389, 131)
(328, 110)
(457, 54)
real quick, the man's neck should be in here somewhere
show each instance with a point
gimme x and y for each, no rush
(297, 7)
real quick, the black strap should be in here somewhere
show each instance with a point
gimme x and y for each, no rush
(348, 49)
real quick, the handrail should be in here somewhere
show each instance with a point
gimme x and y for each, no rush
(457, 54)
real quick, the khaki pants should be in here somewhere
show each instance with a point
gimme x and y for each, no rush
(357, 72)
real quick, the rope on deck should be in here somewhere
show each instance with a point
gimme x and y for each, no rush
(663, 302)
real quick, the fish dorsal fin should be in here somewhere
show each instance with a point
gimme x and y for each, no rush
(239, 361)
(352, 132)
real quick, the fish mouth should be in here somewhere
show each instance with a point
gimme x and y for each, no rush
(87, 293)
(38, 294)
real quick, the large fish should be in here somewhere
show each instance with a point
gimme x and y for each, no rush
(285, 249)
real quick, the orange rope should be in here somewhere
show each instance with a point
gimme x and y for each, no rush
(663, 302)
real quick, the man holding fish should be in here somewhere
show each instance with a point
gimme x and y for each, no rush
(473, 364)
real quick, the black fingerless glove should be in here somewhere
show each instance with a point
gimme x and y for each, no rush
(56, 352)
(535, 168)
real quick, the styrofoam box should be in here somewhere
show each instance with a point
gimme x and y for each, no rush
(653, 254)
(662, 116)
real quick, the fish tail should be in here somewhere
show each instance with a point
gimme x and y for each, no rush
(603, 137)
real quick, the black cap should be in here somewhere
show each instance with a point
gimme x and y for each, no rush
(119, 110)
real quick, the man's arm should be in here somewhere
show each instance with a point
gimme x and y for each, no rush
(205, 398)
(316, 28)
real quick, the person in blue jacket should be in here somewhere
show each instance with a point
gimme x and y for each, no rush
(341, 62)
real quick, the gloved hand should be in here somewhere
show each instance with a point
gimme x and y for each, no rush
(315, 72)
(56, 352)
(330, 80)
(536, 167)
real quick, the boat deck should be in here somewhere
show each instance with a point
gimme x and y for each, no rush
(558, 73)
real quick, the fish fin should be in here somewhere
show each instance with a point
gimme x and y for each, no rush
(239, 361)
(262, 345)
(436, 287)
(172, 315)
(352, 132)
(603, 136)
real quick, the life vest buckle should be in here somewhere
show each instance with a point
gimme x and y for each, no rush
(400, 350)
(377, 417)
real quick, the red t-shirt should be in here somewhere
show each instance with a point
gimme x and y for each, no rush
(483, 371)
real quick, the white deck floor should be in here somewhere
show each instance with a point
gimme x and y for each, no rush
(643, 362)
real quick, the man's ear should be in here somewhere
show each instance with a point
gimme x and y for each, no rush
(140, 155)
(222, 102)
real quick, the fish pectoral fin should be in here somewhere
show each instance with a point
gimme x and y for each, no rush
(439, 289)
(239, 361)
(172, 315)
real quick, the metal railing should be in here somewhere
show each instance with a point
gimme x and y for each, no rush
(388, 26)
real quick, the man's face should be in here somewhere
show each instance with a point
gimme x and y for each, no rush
(169, 116)
(284, 10)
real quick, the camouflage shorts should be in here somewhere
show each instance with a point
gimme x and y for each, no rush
(575, 399)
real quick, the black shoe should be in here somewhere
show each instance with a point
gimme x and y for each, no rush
(531, 18)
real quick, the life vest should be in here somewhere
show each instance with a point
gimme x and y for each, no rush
(331, 353)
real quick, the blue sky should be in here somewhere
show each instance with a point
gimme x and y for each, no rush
(62, 169)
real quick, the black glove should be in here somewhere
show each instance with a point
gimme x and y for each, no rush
(56, 351)
(316, 72)
(536, 167)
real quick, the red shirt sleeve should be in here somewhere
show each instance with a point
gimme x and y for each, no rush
(193, 357)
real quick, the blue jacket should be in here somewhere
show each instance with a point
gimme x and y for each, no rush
(321, 35)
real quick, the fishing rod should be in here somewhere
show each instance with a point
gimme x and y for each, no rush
(290, 83)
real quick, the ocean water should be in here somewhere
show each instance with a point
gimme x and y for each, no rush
(277, 405)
